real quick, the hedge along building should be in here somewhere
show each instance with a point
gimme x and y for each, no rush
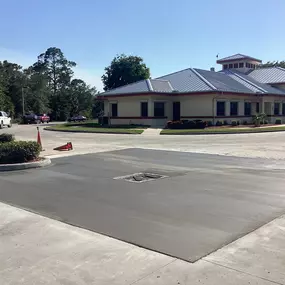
(235, 93)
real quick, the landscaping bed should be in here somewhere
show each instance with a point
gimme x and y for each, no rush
(224, 130)
(16, 155)
(91, 127)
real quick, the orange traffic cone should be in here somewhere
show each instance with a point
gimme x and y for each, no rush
(64, 147)
(39, 141)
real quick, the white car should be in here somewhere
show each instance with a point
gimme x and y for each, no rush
(5, 120)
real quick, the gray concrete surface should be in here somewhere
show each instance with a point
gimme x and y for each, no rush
(37, 250)
(207, 201)
(266, 145)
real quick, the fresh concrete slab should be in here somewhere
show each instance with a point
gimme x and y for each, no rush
(206, 202)
(37, 250)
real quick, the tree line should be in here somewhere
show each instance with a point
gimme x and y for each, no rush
(47, 86)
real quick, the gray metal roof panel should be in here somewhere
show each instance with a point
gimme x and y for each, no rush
(137, 87)
(161, 85)
(223, 82)
(252, 84)
(236, 57)
(268, 75)
(186, 81)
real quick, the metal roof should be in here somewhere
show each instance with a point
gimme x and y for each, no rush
(254, 85)
(161, 85)
(186, 81)
(237, 56)
(223, 82)
(192, 80)
(268, 75)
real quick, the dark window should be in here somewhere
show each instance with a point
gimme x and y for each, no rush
(257, 107)
(276, 108)
(225, 66)
(230, 65)
(234, 108)
(144, 109)
(114, 110)
(236, 65)
(158, 109)
(247, 65)
(283, 109)
(221, 108)
(240, 65)
(247, 108)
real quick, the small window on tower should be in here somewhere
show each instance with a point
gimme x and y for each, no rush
(241, 65)
(236, 65)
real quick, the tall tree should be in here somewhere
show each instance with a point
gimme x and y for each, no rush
(58, 71)
(12, 80)
(81, 98)
(124, 70)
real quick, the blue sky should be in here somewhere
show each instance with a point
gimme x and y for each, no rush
(169, 34)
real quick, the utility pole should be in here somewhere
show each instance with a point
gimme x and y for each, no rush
(23, 101)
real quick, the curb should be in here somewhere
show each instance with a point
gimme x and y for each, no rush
(21, 166)
(220, 133)
(87, 132)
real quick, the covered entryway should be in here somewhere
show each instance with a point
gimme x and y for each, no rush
(176, 111)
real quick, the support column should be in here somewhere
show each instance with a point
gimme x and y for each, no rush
(150, 107)
(228, 108)
(241, 108)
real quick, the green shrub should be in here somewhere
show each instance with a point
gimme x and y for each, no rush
(4, 138)
(244, 122)
(234, 123)
(225, 122)
(265, 122)
(219, 123)
(209, 123)
(19, 152)
(278, 122)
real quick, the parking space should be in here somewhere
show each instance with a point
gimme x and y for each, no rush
(200, 203)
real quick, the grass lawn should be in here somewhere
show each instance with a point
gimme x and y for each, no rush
(92, 127)
(218, 130)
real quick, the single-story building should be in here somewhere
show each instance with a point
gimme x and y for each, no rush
(237, 92)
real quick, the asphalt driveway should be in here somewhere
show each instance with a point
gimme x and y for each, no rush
(204, 202)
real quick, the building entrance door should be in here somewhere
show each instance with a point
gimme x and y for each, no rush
(176, 111)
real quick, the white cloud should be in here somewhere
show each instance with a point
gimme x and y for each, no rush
(90, 76)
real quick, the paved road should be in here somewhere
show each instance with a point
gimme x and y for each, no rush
(266, 145)
(206, 202)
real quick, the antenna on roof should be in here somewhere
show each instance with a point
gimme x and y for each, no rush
(217, 56)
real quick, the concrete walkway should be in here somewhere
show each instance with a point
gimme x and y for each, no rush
(37, 250)
(152, 132)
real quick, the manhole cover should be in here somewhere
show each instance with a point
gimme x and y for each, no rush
(141, 177)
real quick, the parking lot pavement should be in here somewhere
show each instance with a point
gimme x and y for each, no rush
(265, 145)
(204, 202)
(37, 250)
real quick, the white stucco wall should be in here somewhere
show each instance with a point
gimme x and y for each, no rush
(200, 106)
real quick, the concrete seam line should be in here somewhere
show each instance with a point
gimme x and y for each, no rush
(240, 271)
(147, 275)
(21, 166)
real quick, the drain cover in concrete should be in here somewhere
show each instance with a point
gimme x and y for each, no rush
(141, 177)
